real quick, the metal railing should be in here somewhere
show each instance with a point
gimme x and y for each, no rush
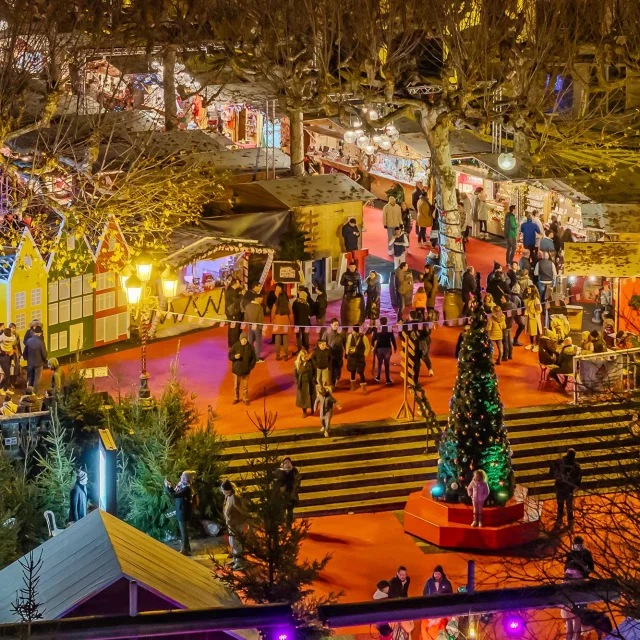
(603, 376)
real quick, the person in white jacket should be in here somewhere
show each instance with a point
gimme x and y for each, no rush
(478, 491)
(391, 219)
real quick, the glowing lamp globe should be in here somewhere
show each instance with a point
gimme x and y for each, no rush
(359, 132)
(506, 161)
(376, 138)
(350, 136)
(385, 144)
(144, 265)
(362, 141)
(169, 280)
(134, 289)
(373, 114)
(357, 123)
(514, 626)
(392, 132)
(370, 149)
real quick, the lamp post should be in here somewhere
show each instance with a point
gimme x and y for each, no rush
(143, 303)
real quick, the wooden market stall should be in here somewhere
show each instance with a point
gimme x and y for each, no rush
(205, 265)
(321, 204)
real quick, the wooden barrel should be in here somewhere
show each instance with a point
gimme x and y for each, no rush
(452, 306)
(352, 311)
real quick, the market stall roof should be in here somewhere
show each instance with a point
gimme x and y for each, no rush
(97, 551)
(607, 259)
(611, 217)
(188, 245)
(463, 143)
(303, 191)
(248, 160)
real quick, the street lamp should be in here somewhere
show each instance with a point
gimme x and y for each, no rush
(141, 298)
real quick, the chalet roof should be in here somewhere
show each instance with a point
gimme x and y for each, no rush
(307, 191)
(195, 243)
(97, 551)
(7, 260)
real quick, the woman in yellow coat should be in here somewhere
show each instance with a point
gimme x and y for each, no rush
(496, 326)
(533, 314)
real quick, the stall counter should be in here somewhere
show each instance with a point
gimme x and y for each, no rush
(186, 310)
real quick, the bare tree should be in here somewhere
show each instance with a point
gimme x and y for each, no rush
(26, 605)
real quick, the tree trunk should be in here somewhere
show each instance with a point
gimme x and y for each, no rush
(296, 142)
(169, 87)
(452, 257)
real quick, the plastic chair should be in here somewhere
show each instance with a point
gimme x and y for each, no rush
(51, 524)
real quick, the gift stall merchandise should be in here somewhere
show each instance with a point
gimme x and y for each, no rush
(401, 164)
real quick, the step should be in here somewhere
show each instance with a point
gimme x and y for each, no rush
(400, 432)
(516, 416)
(586, 435)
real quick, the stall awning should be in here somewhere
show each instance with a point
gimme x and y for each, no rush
(189, 246)
(606, 259)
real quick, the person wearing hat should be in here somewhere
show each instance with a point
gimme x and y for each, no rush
(580, 556)
(438, 583)
(183, 495)
(243, 359)
(78, 497)
(351, 235)
(236, 517)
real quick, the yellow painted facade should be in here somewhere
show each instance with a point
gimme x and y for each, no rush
(323, 224)
(23, 289)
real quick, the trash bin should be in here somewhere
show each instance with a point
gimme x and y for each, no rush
(352, 311)
(452, 306)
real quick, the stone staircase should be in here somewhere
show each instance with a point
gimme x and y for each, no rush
(374, 466)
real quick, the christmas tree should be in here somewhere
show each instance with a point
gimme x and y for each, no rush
(475, 436)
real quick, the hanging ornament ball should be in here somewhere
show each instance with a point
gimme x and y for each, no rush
(455, 461)
(350, 137)
(362, 141)
(464, 459)
(439, 461)
(357, 123)
(375, 138)
(454, 486)
(369, 149)
(501, 483)
(495, 464)
(385, 145)
(373, 114)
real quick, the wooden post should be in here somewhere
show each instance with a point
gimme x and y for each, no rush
(406, 412)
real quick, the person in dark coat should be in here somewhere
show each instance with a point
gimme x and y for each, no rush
(438, 583)
(336, 343)
(183, 495)
(29, 402)
(373, 291)
(565, 362)
(305, 377)
(399, 584)
(497, 284)
(288, 479)
(352, 284)
(580, 556)
(78, 497)
(320, 306)
(468, 289)
(35, 353)
(430, 283)
(302, 318)
(548, 354)
(357, 350)
(243, 358)
(466, 329)
(232, 299)
(351, 235)
(567, 474)
(512, 274)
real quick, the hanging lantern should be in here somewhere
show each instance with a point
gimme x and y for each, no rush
(376, 138)
(357, 123)
(359, 132)
(506, 161)
(373, 114)
(385, 143)
(392, 132)
(362, 141)
(350, 136)
(369, 149)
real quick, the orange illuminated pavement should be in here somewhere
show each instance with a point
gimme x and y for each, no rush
(205, 369)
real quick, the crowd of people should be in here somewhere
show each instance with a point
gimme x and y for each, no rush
(32, 349)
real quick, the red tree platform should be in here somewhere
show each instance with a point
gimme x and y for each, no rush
(449, 525)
